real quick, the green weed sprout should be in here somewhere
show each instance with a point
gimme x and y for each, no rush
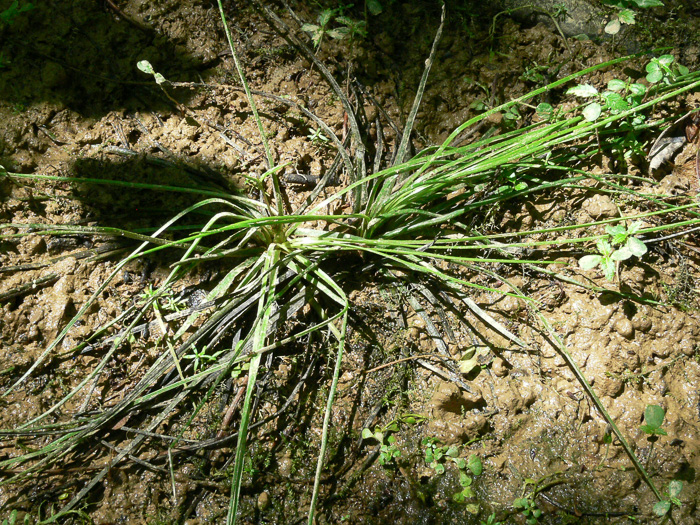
(317, 137)
(320, 30)
(437, 458)
(388, 450)
(529, 509)
(626, 14)
(664, 506)
(352, 28)
(12, 519)
(620, 96)
(664, 68)
(620, 245)
(654, 416)
(200, 357)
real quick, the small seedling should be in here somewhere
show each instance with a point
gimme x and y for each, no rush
(388, 450)
(146, 67)
(511, 183)
(664, 506)
(620, 96)
(664, 68)
(171, 304)
(545, 111)
(353, 28)
(535, 74)
(626, 14)
(200, 357)
(654, 416)
(317, 137)
(438, 456)
(511, 115)
(322, 29)
(465, 480)
(609, 256)
(529, 509)
(607, 439)
(479, 106)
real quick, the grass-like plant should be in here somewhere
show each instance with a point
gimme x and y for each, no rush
(410, 223)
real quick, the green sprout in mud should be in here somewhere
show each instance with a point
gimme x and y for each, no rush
(664, 68)
(322, 29)
(535, 74)
(620, 96)
(437, 457)
(526, 503)
(512, 182)
(653, 417)
(200, 357)
(353, 28)
(626, 14)
(545, 111)
(12, 520)
(664, 506)
(388, 450)
(317, 137)
(529, 509)
(620, 245)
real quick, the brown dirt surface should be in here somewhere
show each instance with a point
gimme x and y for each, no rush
(73, 105)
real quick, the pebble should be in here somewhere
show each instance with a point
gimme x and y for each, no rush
(499, 367)
(264, 500)
(600, 207)
(624, 327)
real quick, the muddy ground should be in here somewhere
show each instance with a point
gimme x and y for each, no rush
(73, 103)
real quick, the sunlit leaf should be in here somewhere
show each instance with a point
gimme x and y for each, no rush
(636, 246)
(626, 16)
(622, 254)
(608, 269)
(613, 27)
(675, 487)
(582, 90)
(638, 89)
(592, 111)
(654, 415)
(662, 507)
(588, 262)
(616, 85)
(474, 464)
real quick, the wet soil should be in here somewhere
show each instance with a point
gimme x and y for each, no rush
(73, 104)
